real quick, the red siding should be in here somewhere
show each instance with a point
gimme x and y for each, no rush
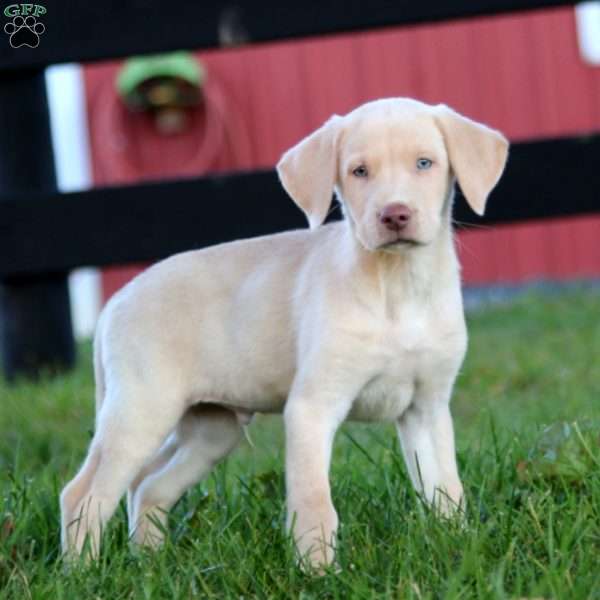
(522, 74)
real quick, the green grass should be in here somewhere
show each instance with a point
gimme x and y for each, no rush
(533, 526)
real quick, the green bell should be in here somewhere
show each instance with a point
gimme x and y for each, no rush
(172, 80)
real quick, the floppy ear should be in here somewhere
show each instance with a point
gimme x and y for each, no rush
(308, 171)
(477, 155)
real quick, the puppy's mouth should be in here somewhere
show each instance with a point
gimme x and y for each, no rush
(400, 243)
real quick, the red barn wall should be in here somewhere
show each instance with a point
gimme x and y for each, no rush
(519, 73)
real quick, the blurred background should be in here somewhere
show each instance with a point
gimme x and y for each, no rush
(533, 74)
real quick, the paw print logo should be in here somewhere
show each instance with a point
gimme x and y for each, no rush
(24, 31)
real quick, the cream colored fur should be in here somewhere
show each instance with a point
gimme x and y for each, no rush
(344, 321)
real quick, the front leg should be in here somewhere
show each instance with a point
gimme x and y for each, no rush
(427, 440)
(312, 415)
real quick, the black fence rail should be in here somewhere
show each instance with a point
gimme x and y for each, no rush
(86, 31)
(44, 234)
(147, 222)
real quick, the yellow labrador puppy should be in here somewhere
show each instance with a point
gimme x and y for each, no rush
(360, 319)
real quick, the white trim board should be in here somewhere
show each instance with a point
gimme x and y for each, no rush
(70, 142)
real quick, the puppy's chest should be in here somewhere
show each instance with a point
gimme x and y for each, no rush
(414, 350)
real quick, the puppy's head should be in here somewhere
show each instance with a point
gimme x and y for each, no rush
(393, 164)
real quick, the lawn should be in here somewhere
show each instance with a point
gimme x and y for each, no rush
(527, 414)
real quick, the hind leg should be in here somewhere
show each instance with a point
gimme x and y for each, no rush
(204, 436)
(131, 428)
(163, 456)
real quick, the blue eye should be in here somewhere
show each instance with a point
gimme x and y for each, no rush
(424, 163)
(360, 171)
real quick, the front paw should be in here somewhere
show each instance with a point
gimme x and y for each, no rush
(315, 538)
(450, 503)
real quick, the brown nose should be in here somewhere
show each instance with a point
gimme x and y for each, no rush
(395, 216)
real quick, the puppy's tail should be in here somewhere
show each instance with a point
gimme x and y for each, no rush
(99, 370)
